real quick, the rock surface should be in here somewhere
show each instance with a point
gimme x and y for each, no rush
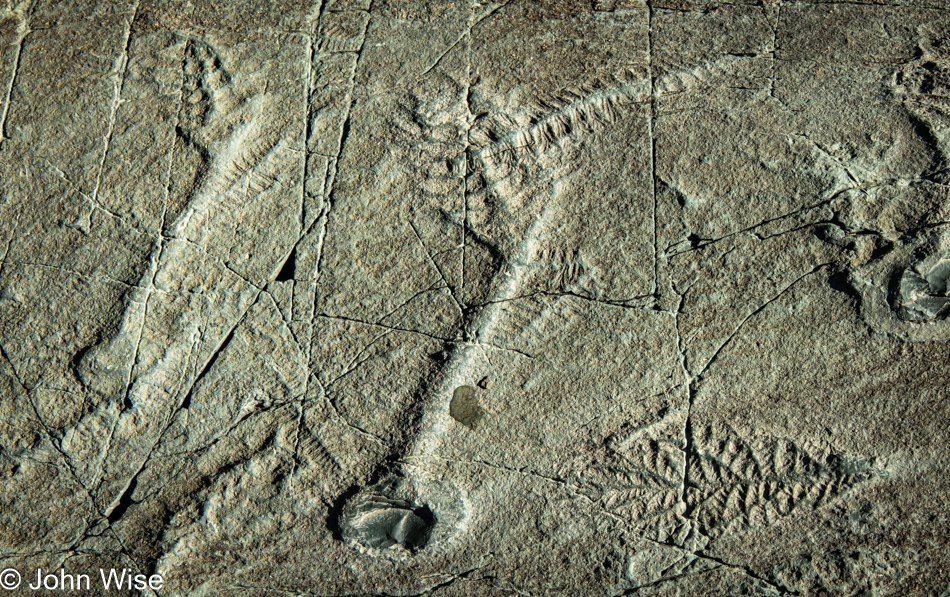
(684, 263)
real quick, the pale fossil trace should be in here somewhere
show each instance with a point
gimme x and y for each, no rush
(517, 297)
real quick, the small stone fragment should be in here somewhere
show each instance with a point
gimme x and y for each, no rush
(464, 407)
(924, 292)
(382, 522)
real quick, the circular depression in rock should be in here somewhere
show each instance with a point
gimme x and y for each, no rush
(924, 291)
(381, 522)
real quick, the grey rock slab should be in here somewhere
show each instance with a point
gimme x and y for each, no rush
(534, 297)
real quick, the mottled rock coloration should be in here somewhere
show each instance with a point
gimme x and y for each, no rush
(518, 297)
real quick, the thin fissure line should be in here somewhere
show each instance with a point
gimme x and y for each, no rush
(306, 132)
(116, 102)
(324, 218)
(437, 268)
(656, 272)
(468, 31)
(25, 30)
(468, 128)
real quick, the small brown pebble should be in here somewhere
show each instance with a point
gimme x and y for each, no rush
(464, 407)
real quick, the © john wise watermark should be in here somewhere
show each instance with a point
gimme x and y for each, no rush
(60, 580)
